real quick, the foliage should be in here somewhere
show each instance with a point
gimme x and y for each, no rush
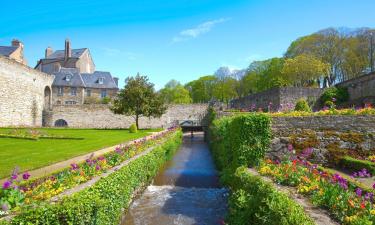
(138, 98)
(304, 70)
(175, 93)
(337, 95)
(103, 202)
(21, 152)
(106, 100)
(327, 112)
(239, 141)
(257, 202)
(345, 201)
(302, 105)
(133, 128)
(201, 90)
(353, 164)
(91, 100)
(211, 114)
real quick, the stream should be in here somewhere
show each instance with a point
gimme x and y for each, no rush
(185, 191)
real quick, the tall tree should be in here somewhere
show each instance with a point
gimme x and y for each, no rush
(175, 93)
(138, 98)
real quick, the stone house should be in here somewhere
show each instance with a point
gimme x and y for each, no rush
(15, 51)
(76, 81)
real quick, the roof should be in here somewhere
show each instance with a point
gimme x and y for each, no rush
(76, 53)
(75, 80)
(92, 80)
(7, 50)
(88, 80)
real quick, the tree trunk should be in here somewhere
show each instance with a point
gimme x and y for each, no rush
(136, 121)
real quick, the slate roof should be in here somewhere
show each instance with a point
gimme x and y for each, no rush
(76, 53)
(92, 80)
(75, 80)
(88, 80)
(7, 50)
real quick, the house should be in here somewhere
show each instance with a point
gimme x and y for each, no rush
(76, 81)
(15, 51)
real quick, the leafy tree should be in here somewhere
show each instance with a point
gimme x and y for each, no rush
(201, 90)
(304, 70)
(224, 89)
(175, 93)
(302, 105)
(138, 98)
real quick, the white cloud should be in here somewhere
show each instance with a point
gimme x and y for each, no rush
(198, 30)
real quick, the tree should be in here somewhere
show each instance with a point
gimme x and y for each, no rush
(304, 70)
(201, 90)
(138, 98)
(175, 93)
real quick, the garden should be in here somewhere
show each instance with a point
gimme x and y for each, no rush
(27, 200)
(34, 148)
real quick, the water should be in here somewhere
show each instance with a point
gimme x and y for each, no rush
(186, 191)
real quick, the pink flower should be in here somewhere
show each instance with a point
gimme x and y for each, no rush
(6, 184)
(26, 176)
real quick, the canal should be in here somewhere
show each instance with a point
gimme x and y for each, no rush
(185, 191)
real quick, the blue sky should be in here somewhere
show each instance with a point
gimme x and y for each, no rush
(174, 39)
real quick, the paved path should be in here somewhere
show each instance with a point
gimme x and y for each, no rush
(78, 159)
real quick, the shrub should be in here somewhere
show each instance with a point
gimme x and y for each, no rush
(133, 128)
(302, 105)
(356, 164)
(91, 100)
(255, 201)
(330, 104)
(106, 100)
(337, 95)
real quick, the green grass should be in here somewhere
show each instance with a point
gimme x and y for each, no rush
(30, 154)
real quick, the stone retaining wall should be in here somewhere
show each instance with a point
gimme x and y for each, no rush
(100, 116)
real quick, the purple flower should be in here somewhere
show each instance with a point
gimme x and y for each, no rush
(373, 186)
(7, 184)
(14, 177)
(26, 176)
(358, 191)
(101, 158)
(97, 167)
(290, 147)
(333, 99)
(4, 207)
(74, 166)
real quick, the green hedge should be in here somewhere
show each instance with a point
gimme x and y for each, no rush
(255, 201)
(356, 164)
(103, 202)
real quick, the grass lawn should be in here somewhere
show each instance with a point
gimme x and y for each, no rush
(30, 154)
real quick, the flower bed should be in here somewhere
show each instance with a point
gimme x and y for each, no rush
(347, 202)
(19, 192)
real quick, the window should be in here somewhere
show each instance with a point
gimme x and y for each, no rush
(60, 91)
(73, 91)
(70, 102)
(68, 77)
(103, 94)
(58, 102)
(101, 80)
(88, 92)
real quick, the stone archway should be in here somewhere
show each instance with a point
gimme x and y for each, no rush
(61, 123)
(47, 98)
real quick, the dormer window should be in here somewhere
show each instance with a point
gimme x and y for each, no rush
(68, 77)
(101, 80)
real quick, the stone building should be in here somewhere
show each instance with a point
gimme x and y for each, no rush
(76, 81)
(15, 51)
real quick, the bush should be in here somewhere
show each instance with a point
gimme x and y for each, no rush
(302, 105)
(91, 100)
(103, 203)
(255, 201)
(356, 164)
(106, 100)
(337, 95)
(133, 128)
(330, 104)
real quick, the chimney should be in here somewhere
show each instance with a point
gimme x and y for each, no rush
(68, 50)
(116, 80)
(48, 52)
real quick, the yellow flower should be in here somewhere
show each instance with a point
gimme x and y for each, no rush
(265, 170)
(372, 211)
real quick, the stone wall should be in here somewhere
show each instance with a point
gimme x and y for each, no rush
(326, 135)
(276, 99)
(100, 116)
(361, 89)
(23, 92)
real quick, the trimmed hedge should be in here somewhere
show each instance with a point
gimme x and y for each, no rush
(103, 203)
(255, 201)
(357, 164)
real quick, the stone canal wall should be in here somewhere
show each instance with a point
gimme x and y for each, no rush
(100, 116)
(25, 92)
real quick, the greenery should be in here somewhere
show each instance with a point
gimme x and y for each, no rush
(336, 95)
(175, 93)
(103, 202)
(255, 201)
(138, 98)
(30, 155)
(133, 128)
(106, 100)
(355, 165)
(302, 105)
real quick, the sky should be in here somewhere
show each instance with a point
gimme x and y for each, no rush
(174, 39)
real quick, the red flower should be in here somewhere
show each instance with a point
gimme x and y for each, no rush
(363, 205)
